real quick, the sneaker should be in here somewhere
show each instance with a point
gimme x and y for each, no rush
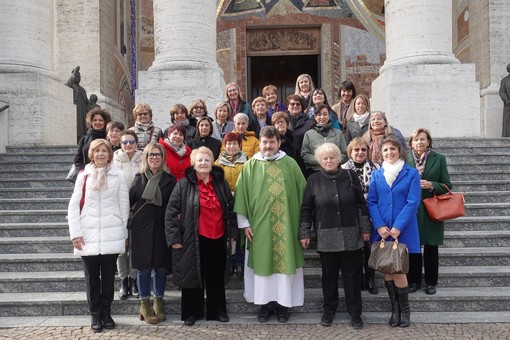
(356, 322)
(327, 319)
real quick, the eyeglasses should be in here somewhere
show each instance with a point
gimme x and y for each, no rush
(294, 104)
(126, 142)
(360, 149)
(155, 155)
(142, 114)
(232, 90)
(198, 107)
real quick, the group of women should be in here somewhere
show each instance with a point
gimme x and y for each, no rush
(175, 188)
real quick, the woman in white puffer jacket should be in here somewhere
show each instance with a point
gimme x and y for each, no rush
(97, 228)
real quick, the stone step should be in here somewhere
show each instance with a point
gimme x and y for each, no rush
(31, 173)
(477, 238)
(34, 182)
(57, 149)
(33, 203)
(472, 256)
(471, 223)
(73, 281)
(499, 174)
(40, 262)
(478, 159)
(481, 185)
(464, 143)
(48, 164)
(50, 229)
(446, 300)
(34, 158)
(487, 197)
(54, 192)
(32, 216)
(474, 150)
(487, 209)
(35, 245)
(466, 166)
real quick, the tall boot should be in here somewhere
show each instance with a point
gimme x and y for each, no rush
(372, 288)
(405, 310)
(124, 288)
(159, 309)
(395, 307)
(146, 312)
(134, 288)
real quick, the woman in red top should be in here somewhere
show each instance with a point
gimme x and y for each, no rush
(199, 223)
(177, 152)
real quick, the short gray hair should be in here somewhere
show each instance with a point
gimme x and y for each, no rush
(327, 148)
(241, 116)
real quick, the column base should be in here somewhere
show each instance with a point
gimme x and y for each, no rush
(41, 110)
(163, 88)
(442, 98)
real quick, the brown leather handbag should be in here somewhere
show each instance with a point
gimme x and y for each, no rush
(445, 207)
(389, 257)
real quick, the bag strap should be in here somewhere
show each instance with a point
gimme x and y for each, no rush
(83, 189)
(136, 212)
(446, 187)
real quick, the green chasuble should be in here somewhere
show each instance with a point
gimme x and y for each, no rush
(269, 194)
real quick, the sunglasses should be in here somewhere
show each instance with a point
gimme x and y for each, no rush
(155, 155)
(294, 104)
(142, 114)
(360, 149)
(126, 142)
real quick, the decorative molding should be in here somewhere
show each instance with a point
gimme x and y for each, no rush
(290, 41)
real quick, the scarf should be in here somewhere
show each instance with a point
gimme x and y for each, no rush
(361, 119)
(179, 149)
(343, 113)
(183, 123)
(374, 146)
(364, 171)
(221, 127)
(144, 133)
(420, 161)
(95, 134)
(235, 107)
(331, 175)
(391, 171)
(231, 158)
(322, 129)
(98, 177)
(152, 192)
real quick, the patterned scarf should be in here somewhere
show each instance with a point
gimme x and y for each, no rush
(144, 133)
(374, 146)
(322, 129)
(231, 158)
(179, 149)
(364, 171)
(420, 161)
(99, 177)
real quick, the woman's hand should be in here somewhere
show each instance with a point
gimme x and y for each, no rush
(365, 237)
(78, 243)
(394, 232)
(426, 184)
(248, 233)
(177, 246)
(305, 242)
(384, 231)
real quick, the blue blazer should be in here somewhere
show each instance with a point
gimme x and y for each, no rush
(396, 206)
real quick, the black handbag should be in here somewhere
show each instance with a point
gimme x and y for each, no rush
(389, 257)
(73, 174)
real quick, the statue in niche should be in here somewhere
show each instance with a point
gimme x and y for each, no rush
(504, 93)
(81, 101)
(93, 103)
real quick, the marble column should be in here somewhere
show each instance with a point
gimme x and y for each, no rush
(28, 81)
(421, 83)
(185, 66)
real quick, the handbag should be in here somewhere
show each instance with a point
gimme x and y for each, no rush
(389, 257)
(73, 174)
(445, 207)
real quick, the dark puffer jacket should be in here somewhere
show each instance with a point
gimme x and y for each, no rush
(181, 221)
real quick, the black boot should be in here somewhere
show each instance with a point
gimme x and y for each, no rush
(108, 322)
(372, 288)
(124, 288)
(405, 310)
(134, 288)
(395, 307)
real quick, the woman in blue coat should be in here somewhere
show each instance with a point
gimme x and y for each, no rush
(393, 199)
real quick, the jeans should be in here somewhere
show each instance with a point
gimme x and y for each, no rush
(155, 276)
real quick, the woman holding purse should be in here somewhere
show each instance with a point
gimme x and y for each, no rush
(393, 199)
(434, 175)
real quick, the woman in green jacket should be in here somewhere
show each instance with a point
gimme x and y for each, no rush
(434, 176)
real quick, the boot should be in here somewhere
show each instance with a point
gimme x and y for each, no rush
(395, 308)
(134, 288)
(159, 309)
(405, 310)
(372, 288)
(146, 312)
(124, 288)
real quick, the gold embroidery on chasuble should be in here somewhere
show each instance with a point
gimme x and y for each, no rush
(278, 216)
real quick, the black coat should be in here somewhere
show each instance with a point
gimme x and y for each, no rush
(210, 142)
(182, 215)
(148, 246)
(81, 157)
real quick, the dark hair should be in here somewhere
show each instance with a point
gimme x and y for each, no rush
(391, 139)
(296, 98)
(131, 133)
(270, 132)
(201, 119)
(347, 85)
(98, 111)
(115, 124)
(175, 108)
(232, 136)
(178, 127)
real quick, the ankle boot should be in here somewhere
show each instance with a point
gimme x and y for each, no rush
(405, 310)
(134, 288)
(159, 309)
(124, 289)
(372, 288)
(146, 312)
(395, 308)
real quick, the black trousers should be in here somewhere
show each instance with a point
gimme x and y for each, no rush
(348, 263)
(431, 265)
(212, 263)
(99, 278)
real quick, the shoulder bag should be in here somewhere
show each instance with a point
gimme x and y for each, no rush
(445, 207)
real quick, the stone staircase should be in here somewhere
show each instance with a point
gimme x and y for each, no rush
(39, 276)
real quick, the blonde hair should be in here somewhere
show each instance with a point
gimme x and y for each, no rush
(142, 107)
(352, 106)
(97, 143)
(259, 99)
(144, 166)
(299, 78)
(202, 149)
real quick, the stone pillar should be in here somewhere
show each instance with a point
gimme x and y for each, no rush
(421, 83)
(28, 81)
(185, 66)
